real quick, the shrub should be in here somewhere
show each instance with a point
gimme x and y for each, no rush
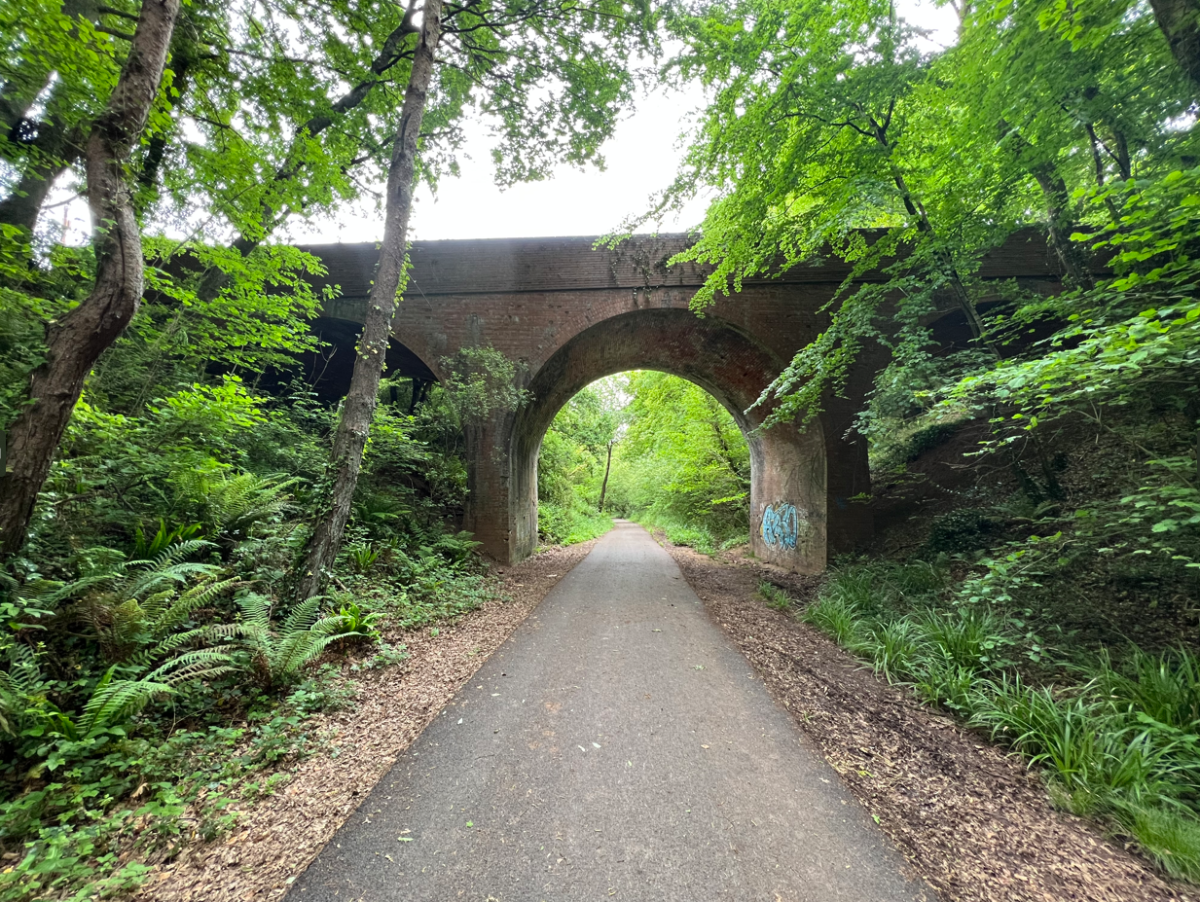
(929, 438)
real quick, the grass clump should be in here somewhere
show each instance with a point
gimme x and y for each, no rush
(700, 537)
(1117, 740)
(776, 598)
(571, 523)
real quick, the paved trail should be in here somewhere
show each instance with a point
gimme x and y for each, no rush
(616, 747)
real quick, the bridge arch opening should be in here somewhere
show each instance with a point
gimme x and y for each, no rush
(328, 368)
(649, 446)
(787, 465)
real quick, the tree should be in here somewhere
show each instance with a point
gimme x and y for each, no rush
(601, 73)
(835, 128)
(359, 407)
(683, 457)
(74, 344)
(1180, 24)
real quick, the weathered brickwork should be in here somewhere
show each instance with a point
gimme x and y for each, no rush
(572, 314)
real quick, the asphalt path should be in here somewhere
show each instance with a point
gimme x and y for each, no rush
(615, 747)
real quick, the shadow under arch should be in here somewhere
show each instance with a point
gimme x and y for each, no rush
(328, 369)
(787, 465)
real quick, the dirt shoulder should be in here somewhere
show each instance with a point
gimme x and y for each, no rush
(277, 837)
(971, 821)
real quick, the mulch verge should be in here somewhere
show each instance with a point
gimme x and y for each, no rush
(279, 836)
(972, 821)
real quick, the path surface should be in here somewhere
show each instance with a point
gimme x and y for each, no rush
(616, 747)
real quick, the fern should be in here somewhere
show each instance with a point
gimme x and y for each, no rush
(113, 702)
(232, 504)
(137, 604)
(281, 650)
(21, 687)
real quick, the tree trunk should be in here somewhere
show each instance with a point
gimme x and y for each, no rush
(1058, 200)
(957, 288)
(74, 344)
(355, 423)
(604, 485)
(1054, 190)
(1179, 21)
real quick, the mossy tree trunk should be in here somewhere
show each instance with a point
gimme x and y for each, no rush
(359, 408)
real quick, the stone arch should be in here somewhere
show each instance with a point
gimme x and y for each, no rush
(788, 471)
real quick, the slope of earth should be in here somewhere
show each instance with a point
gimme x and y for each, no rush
(972, 822)
(277, 837)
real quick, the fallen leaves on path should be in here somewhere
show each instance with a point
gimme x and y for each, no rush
(279, 836)
(972, 821)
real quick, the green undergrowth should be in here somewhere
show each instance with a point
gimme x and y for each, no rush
(694, 536)
(102, 806)
(1117, 735)
(208, 704)
(570, 523)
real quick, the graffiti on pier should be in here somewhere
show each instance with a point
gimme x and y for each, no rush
(781, 525)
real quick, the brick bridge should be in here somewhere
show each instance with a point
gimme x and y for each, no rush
(572, 314)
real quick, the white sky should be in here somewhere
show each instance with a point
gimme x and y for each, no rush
(642, 158)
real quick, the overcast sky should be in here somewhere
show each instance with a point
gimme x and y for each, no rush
(642, 158)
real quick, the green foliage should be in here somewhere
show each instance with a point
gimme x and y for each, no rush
(280, 649)
(679, 463)
(570, 525)
(964, 529)
(480, 382)
(358, 623)
(835, 128)
(362, 556)
(206, 769)
(684, 464)
(437, 591)
(192, 462)
(928, 438)
(697, 537)
(572, 464)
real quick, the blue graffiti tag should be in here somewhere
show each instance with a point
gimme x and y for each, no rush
(781, 525)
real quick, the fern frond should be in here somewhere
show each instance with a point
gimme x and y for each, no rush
(193, 665)
(303, 615)
(206, 635)
(78, 587)
(176, 553)
(191, 600)
(330, 626)
(24, 673)
(296, 650)
(256, 608)
(149, 579)
(116, 700)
